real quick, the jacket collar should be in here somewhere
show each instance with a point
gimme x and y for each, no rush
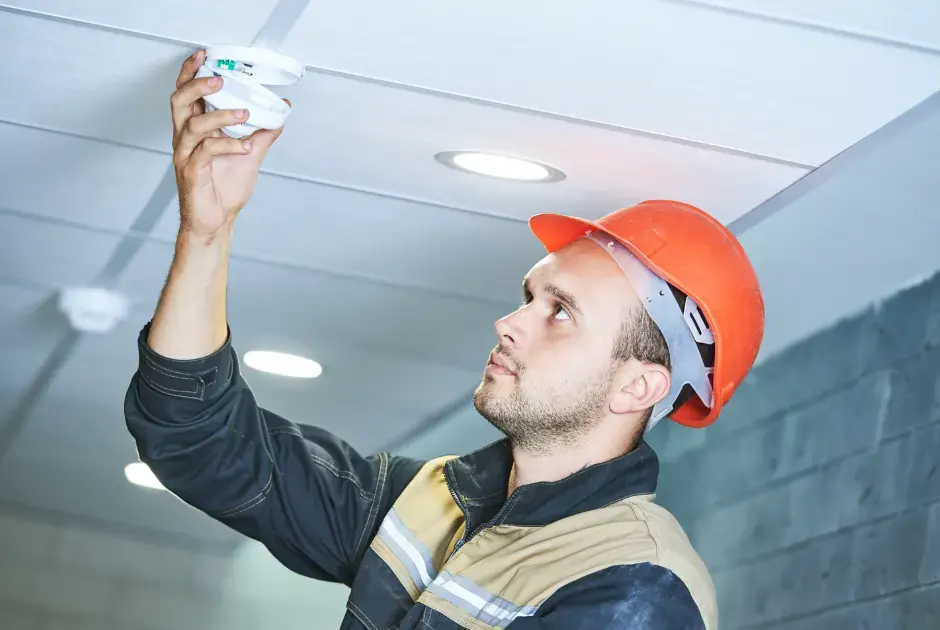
(480, 480)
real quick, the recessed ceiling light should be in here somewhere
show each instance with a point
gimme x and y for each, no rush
(139, 474)
(501, 166)
(282, 364)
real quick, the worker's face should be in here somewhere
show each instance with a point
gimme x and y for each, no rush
(556, 349)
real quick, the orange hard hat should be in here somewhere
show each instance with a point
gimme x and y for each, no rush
(698, 256)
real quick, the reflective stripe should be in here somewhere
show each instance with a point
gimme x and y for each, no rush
(408, 549)
(476, 601)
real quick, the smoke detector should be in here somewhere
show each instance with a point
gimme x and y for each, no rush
(93, 309)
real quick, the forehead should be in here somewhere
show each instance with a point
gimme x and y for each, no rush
(587, 272)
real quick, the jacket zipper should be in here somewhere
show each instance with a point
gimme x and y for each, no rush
(492, 521)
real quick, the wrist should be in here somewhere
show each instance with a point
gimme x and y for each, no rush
(188, 238)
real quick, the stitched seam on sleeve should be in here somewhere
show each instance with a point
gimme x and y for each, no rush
(361, 616)
(342, 474)
(373, 513)
(250, 503)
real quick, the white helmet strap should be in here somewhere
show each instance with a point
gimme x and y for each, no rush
(683, 328)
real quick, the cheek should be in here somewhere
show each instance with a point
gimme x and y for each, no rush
(559, 367)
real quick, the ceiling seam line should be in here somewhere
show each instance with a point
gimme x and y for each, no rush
(279, 174)
(473, 100)
(149, 238)
(812, 26)
(834, 165)
(565, 118)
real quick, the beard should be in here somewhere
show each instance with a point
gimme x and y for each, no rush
(541, 421)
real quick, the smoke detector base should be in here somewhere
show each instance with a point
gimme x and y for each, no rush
(93, 309)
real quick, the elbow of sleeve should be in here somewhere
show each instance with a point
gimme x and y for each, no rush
(198, 428)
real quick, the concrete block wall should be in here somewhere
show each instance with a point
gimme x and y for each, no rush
(59, 576)
(815, 499)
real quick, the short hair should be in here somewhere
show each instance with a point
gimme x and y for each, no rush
(641, 339)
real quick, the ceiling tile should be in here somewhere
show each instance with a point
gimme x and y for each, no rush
(663, 67)
(390, 240)
(363, 316)
(384, 140)
(908, 21)
(76, 180)
(101, 94)
(27, 336)
(51, 254)
(206, 22)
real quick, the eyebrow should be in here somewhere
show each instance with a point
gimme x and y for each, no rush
(560, 294)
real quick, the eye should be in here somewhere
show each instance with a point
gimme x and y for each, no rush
(560, 312)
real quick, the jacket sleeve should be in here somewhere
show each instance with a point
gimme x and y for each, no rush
(628, 597)
(309, 497)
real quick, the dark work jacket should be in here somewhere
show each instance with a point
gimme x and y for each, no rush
(422, 544)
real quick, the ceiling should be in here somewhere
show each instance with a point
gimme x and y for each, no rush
(358, 248)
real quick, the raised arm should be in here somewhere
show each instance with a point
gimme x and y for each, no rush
(306, 495)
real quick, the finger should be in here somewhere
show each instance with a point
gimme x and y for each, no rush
(212, 147)
(261, 142)
(200, 128)
(263, 139)
(183, 100)
(189, 68)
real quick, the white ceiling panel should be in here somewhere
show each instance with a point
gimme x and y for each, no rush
(206, 21)
(76, 180)
(52, 254)
(25, 341)
(363, 316)
(663, 67)
(383, 140)
(89, 82)
(908, 21)
(386, 140)
(16, 303)
(321, 227)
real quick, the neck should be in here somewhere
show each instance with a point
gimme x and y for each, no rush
(556, 462)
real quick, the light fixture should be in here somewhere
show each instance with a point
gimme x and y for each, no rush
(500, 166)
(282, 364)
(139, 474)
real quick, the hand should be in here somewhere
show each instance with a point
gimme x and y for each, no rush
(215, 174)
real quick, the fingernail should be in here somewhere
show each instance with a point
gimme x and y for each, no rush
(247, 145)
(214, 81)
(241, 113)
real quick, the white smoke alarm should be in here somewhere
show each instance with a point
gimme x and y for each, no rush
(93, 309)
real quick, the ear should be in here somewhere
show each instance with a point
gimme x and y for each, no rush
(641, 389)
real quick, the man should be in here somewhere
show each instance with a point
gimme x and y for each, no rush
(653, 311)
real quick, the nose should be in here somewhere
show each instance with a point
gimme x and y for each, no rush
(509, 331)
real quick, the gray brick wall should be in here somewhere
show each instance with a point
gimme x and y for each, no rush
(61, 576)
(815, 500)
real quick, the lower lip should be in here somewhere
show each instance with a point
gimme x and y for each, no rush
(494, 369)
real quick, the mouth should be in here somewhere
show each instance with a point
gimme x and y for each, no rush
(497, 367)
